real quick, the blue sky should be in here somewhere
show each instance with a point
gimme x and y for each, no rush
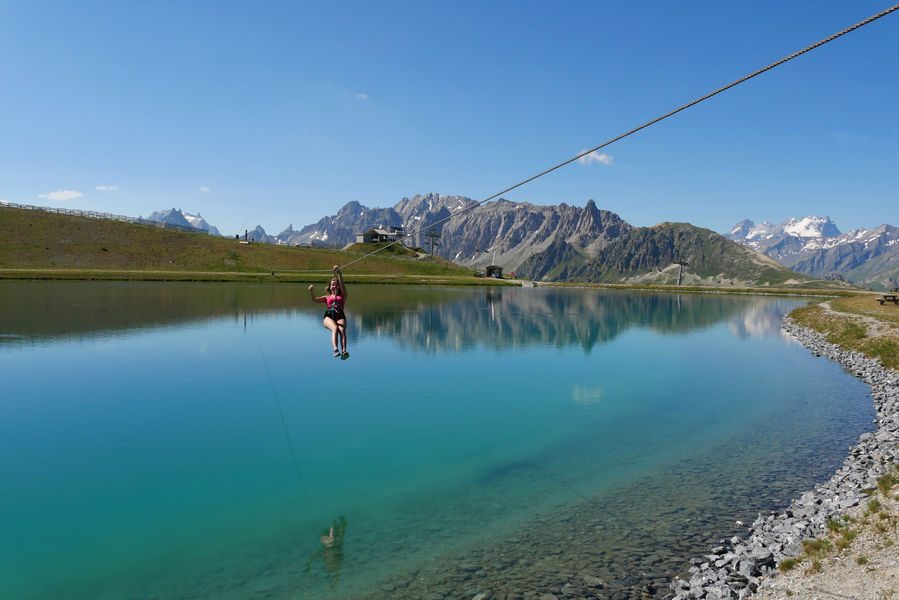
(275, 113)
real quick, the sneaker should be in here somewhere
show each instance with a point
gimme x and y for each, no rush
(336, 352)
(345, 355)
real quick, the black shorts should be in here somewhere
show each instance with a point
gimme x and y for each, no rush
(335, 315)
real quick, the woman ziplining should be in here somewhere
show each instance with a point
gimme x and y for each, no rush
(334, 319)
(649, 123)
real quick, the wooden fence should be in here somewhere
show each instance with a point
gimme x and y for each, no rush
(101, 215)
(140, 221)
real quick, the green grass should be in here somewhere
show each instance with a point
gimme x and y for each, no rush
(846, 332)
(847, 536)
(886, 483)
(40, 245)
(816, 549)
(874, 506)
(787, 564)
(866, 304)
(835, 524)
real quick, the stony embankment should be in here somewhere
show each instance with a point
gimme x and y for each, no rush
(735, 569)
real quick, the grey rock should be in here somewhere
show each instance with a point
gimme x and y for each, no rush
(739, 567)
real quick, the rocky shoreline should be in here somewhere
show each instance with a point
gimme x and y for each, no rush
(737, 567)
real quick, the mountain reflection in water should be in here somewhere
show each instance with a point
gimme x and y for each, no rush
(209, 423)
(425, 319)
(504, 318)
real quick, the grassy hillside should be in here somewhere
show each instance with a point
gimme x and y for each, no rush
(36, 243)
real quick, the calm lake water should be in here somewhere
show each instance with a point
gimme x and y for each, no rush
(198, 440)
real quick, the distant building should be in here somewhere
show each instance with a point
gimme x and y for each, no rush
(494, 271)
(377, 235)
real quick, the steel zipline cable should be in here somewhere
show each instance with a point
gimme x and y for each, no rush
(744, 79)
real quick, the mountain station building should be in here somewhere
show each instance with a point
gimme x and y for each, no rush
(377, 235)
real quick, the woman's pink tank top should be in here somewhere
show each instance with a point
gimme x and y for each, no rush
(335, 301)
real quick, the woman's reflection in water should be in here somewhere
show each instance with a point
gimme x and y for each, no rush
(331, 552)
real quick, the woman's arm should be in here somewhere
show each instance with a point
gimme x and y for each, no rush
(339, 277)
(314, 299)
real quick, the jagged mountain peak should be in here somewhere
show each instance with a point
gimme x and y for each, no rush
(176, 216)
(811, 226)
(800, 227)
(815, 246)
(350, 208)
(432, 202)
(742, 227)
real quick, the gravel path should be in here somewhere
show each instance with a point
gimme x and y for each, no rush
(875, 327)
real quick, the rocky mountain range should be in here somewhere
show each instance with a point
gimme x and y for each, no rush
(816, 246)
(557, 242)
(562, 242)
(654, 255)
(176, 216)
(417, 214)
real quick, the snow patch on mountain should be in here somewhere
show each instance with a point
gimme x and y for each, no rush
(815, 246)
(176, 216)
(811, 227)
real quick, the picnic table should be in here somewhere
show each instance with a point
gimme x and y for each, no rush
(893, 297)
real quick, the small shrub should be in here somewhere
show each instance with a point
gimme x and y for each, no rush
(815, 567)
(835, 524)
(886, 483)
(846, 538)
(816, 548)
(787, 564)
(862, 560)
(874, 506)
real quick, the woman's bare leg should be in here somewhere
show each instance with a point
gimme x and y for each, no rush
(341, 329)
(331, 326)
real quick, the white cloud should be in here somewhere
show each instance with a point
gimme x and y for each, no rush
(107, 188)
(204, 189)
(361, 96)
(600, 157)
(61, 195)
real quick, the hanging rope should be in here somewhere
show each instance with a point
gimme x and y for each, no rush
(773, 65)
(293, 454)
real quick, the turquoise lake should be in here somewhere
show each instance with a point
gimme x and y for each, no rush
(163, 440)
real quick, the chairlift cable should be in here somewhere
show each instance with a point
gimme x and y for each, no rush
(699, 100)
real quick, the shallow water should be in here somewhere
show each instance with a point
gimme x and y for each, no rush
(198, 440)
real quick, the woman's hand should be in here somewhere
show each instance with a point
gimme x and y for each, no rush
(336, 269)
(310, 287)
